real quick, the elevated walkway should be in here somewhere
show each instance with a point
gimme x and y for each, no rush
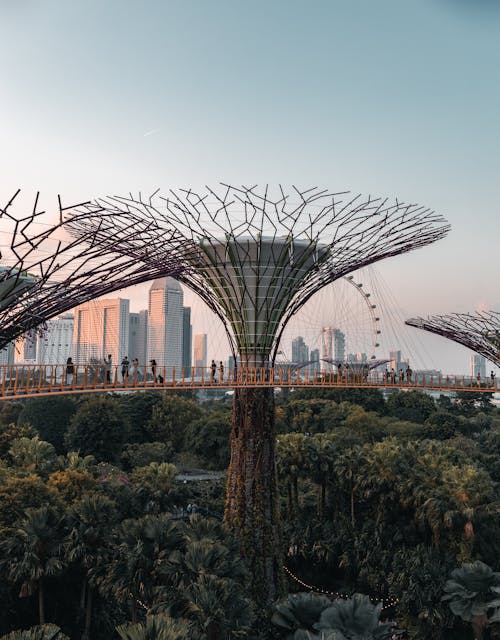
(21, 381)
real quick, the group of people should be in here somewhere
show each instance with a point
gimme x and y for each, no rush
(213, 371)
(130, 371)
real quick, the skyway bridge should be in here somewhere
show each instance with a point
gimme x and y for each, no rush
(21, 381)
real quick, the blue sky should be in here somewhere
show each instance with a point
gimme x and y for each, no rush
(396, 97)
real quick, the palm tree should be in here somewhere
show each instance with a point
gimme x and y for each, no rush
(34, 552)
(90, 521)
(143, 547)
(43, 632)
(33, 453)
(354, 619)
(471, 592)
(297, 614)
(205, 581)
(158, 627)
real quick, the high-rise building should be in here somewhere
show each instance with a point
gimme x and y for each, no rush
(477, 365)
(300, 350)
(55, 343)
(138, 337)
(187, 341)
(165, 321)
(332, 344)
(25, 347)
(200, 352)
(315, 365)
(101, 327)
(7, 354)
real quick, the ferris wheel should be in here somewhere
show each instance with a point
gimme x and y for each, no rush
(342, 314)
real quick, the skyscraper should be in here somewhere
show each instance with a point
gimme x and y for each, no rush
(101, 327)
(332, 344)
(165, 322)
(200, 352)
(187, 341)
(138, 337)
(55, 344)
(300, 350)
(477, 365)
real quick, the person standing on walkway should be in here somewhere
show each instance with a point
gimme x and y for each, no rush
(213, 370)
(108, 363)
(153, 369)
(221, 372)
(125, 366)
(70, 370)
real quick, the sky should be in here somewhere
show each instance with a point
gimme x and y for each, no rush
(394, 98)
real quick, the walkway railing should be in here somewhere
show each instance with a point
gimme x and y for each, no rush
(30, 380)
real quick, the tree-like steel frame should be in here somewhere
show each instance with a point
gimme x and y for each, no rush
(478, 331)
(343, 233)
(255, 258)
(46, 270)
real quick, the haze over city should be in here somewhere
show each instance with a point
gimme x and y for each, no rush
(396, 99)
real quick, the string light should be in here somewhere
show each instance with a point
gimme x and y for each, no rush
(387, 603)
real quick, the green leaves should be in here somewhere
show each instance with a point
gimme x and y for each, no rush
(472, 592)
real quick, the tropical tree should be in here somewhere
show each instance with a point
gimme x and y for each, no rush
(33, 553)
(157, 627)
(141, 548)
(98, 429)
(90, 521)
(33, 454)
(355, 618)
(50, 417)
(415, 406)
(472, 591)
(170, 419)
(11, 431)
(296, 615)
(42, 632)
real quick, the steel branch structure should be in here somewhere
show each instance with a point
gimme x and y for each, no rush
(45, 271)
(479, 331)
(255, 257)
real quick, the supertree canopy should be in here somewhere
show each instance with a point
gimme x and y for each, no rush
(45, 271)
(255, 256)
(256, 259)
(479, 331)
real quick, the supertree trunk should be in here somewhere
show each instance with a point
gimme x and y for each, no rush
(252, 507)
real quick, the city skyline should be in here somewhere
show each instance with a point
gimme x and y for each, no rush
(369, 115)
(93, 318)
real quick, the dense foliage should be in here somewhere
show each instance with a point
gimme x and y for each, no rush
(390, 497)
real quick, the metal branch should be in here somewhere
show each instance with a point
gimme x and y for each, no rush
(46, 270)
(479, 331)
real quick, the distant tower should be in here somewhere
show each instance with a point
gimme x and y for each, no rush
(138, 337)
(477, 366)
(300, 350)
(200, 352)
(187, 340)
(101, 327)
(165, 320)
(315, 365)
(338, 345)
(55, 344)
(332, 345)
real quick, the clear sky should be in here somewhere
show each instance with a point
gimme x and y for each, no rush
(395, 97)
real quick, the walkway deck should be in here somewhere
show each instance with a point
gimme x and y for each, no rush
(20, 381)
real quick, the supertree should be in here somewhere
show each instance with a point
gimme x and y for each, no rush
(45, 271)
(478, 331)
(255, 257)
